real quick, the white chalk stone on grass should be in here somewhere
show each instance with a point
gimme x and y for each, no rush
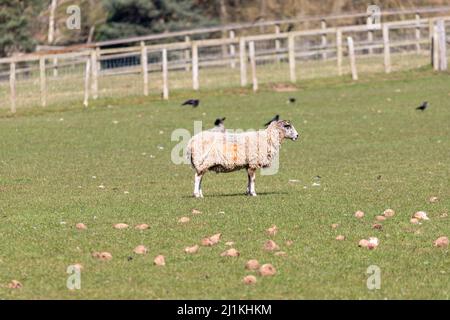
(159, 260)
(252, 264)
(191, 250)
(142, 226)
(421, 215)
(80, 226)
(441, 242)
(230, 253)
(267, 270)
(249, 280)
(359, 214)
(272, 231)
(141, 249)
(270, 245)
(433, 199)
(14, 284)
(184, 220)
(388, 213)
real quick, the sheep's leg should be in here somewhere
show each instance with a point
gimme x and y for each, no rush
(197, 185)
(200, 187)
(251, 182)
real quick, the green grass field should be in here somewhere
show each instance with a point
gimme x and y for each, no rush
(371, 148)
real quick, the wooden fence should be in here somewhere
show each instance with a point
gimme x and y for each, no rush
(250, 53)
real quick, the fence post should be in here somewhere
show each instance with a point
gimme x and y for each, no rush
(417, 33)
(387, 50)
(369, 24)
(251, 51)
(55, 66)
(232, 50)
(43, 81)
(12, 85)
(291, 54)
(94, 71)
(187, 53)
(99, 54)
(351, 54)
(277, 42)
(165, 75)
(86, 82)
(195, 82)
(144, 65)
(339, 50)
(243, 62)
(323, 25)
(442, 43)
(434, 49)
(430, 38)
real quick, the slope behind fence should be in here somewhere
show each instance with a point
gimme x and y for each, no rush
(157, 70)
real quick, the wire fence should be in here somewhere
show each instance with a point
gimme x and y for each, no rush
(274, 59)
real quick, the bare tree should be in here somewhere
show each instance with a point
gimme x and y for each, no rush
(262, 13)
(223, 12)
(51, 22)
(223, 21)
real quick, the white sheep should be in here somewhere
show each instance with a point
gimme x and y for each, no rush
(227, 152)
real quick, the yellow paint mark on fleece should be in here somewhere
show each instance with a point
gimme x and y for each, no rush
(235, 148)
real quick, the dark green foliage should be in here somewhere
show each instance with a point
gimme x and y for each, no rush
(15, 32)
(141, 17)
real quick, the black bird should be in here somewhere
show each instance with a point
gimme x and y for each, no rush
(292, 100)
(219, 121)
(276, 118)
(423, 106)
(218, 125)
(191, 102)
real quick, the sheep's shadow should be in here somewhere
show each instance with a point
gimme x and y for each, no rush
(242, 194)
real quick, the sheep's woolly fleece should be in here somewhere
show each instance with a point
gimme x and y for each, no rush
(233, 151)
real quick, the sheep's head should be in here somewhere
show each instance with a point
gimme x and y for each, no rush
(286, 129)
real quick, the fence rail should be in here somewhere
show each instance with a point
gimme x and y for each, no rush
(43, 79)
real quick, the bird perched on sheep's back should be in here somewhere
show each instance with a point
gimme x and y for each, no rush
(276, 118)
(191, 102)
(219, 125)
(228, 152)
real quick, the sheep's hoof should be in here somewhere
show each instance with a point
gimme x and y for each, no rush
(198, 195)
(251, 194)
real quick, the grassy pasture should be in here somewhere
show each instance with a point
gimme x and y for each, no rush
(371, 148)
